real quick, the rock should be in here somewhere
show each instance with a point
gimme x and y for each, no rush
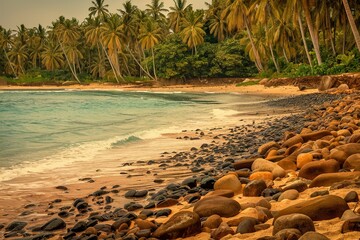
(261, 164)
(278, 172)
(298, 221)
(351, 225)
(207, 183)
(213, 221)
(243, 163)
(303, 158)
(54, 224)
(261, 176)
(190, 182)
(326, 83)
(313, 169)
(343, 87)
(79, 227)
(298, 185)
(144, 233)
(15, 226)
(321, 208)
(40, 236)
(221, 193)
(351, 197)
(341, 153)
(319, 193)
(182, 224)
(328, 179)
(315, 135)
(247, 225)
(222, 206)
(222, 231)
(167, 203)
(140, 194)
(349, 214)
(286, 164)
(313, 236)
(292, 141)
(254, 188)
(132, 206)
(264, 203)
(352, 162)
(143, 224)
(288, 234)
(119, 222)
(228, 182)
(130, 194)
(263, 149)
(163, 212)
(291, 194)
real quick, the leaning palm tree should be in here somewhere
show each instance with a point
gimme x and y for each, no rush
(352, 23)
(150, 34)
(6, 40)
(99, 9)
(177, 13)
(192, 34)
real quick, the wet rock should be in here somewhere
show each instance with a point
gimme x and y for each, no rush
(352, 197)
(298, 221)
(254, 188)
(222, 231)
(182, 224)
(298, 185)
(222, 206)
(321, 208)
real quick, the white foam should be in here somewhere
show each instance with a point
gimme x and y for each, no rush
(224, 113)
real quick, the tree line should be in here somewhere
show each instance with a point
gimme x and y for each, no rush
(231, 38)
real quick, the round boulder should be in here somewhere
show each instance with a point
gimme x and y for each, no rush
(228, 182)
(298, 221)
(254, 188)
(222, 206)
(313, 169)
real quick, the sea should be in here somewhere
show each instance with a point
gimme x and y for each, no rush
(47, 131)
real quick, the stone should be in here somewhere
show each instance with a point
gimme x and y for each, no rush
(247, 225)
(349, 214)
(352, 162)
(190, 182)
(351, 225)
(291, 194)
(222, 231)
(132, 206)
(222, 206)
(298, 185)
(119, 222)
(303, 158)
(263, 149)
(207, 183)
(180, 225)
(313, 236)
(319, 193)
(320, 208)
(144, 233)
(341, 153)
(264, 203)
(140, 194)
(288, 234)
(326, 83)
(163, 212)
(298, 221)
(144, 224)
(278, 172)
(343, 87)
(287, 164)
(243, 163)
(213, 221)
(167, 203)
(228, 182)
(54, 224)
(315, 135)
(313, 169)
(261, 164)
(130, 194)
(79, 227)
(254, 188)
(351, 196)
(15, 226)
(261, 176)
(292, 141)
(328, 179)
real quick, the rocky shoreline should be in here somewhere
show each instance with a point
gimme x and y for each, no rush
(295, 177)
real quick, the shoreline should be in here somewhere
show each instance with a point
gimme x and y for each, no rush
(48, 204)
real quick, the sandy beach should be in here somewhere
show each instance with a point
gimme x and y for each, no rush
(211, 155)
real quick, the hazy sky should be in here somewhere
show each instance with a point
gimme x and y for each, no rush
(34, 12)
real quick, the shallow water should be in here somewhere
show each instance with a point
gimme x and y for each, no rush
(41, 131)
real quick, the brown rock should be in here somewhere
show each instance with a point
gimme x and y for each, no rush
(328, 179)
(291, 194)
(320, 208)
(143, 224)
(167, 203)
(293, 140)
(298, 221)
(254, 188)
(243, 163)
(180, 225)
(263, 149)
(228, 182)
(341, 153)
(288, 234)
(353, 162)
(222, 206)
(221, 193)
(315, 135)
(351, 225)
(213, 221)
(287, 165)
(313, 236)
(222, 231)
(303, 158)
(315, 168)
(299, 185)
(326, 83)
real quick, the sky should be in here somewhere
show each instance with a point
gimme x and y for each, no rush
(31, 13)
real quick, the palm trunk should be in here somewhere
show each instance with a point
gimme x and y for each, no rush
(111, 64)
(352, 23)
(285, 56)
(313, 36)
(273, 59)
(69, 64)
(344, 39)
(138, 63)
(304, 41)
(153, 58)
(12, 68)
(256, 53)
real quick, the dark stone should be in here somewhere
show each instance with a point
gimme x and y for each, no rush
(247, 225)
(269, 192)
(54, 224)
(132, 206)
(79, 227)
(100, 193)
(207, 183)
(63, 214)
(163, 212)
(144, 233)
(118, 223)
(319, 193)
(352, 197)
(15, 226)
(254, 188)
(130, 193)
(301, 222)
(41, 236)
(313, 236)
(103, 228)
(150, 205)
(140, 194)
(190, 182)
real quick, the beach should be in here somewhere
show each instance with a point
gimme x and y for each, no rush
(186, 165)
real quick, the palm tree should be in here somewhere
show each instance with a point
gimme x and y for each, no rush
(237, 19)
(192, 34)
(313, 35)
(113, 38)
(18, 56)
(217, 23)
(352, 23)
(6, 40)
(150, 34)
(52, 56)
(177, 13)
(99, 9)
(156, 9)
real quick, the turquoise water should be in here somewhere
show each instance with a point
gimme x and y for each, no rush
(54, 125)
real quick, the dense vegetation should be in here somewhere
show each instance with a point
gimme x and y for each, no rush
(231, 38)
